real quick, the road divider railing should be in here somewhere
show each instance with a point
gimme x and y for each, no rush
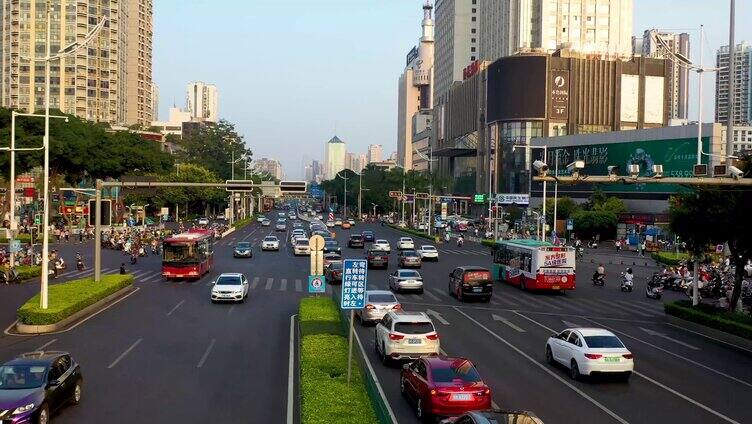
(68, 300)
(326, 397)
(730, 322)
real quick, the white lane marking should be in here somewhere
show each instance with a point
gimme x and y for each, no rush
(625, 309)
(175, 308)
(542, 301)
(494, 405)
(672, 354)
(41, 348)
(283, 285)
(510, 324)
(298, 285)
(137, 274)
(525, 302)
(687, 398)
(291, 373)
(671, 339)
(125, 353)
(254, 283)
(503, 300)
(599, 308)
(437, 315)
(432, 296)
(206, 353)
(657, 383)
(709, 337)
(269, 282)
(640, 307)
(571, 324)
(154, 278)
(546, 369)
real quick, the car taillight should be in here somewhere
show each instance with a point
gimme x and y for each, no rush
(393, 336)
(432, 336)
(627, 356)
(593, 355)
(433, 392)
(370, 307)
(397, 307)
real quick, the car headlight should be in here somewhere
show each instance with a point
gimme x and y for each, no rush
(22, 409)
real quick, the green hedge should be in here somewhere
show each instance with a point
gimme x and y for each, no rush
(729, 322)
(26, 272)
(65, 299)
(488, 243)
(415, 233)
(24, 237)
(242, 222)
(670, 258)
(325, 395)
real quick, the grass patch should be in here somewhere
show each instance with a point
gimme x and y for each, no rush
(325, 395)
(65, 299)
(242, 223)
(670, 258)
(710, 316)
(415, 233)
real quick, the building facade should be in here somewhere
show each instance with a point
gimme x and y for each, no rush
(742, 139)
(154, 101)
(742, 85)
(139, 103)
(661, 44)
(202, 101)
(174, 124)
(334, 157)
(375, 153)
(90, 84)
(415, 87)
(457, 32)
(598, 27)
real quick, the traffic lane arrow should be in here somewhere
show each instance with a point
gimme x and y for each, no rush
(508, 323)
(438, 316)
(671, 339)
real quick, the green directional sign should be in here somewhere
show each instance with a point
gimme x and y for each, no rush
(480, 198)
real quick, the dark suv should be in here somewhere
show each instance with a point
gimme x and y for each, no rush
(356, 240)
(368, 236)
(377, 258)
(470, 282)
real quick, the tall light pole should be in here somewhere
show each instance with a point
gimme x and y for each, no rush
(344, 194)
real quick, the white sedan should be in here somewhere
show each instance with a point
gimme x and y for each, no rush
(382, 245)
(229, 287)
(588, 351)
(428, 253)
(405, 243)
(330, 224)
(270, 243)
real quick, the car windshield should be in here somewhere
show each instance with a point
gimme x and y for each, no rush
(597, 342)
(382, 298)
(229, 280)
(414, 327)
(460, 369)
(428, 248)
(301, 242)
(244, 245)
(367, 233)
(335, 265)
(331, 244)
(382, 242)
(270, 239)
(21, 376)
(405, 239)
(356, 237)
(409, 274)
(409, 253)
(179, 253)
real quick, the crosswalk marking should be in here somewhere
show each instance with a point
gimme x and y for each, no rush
(269, 282)
(254, 283)
(525, 302)
(503, 300)
(298, 286)
(642, 307)
(598, 308)
(431, 295)
(283, 285)
(543, 301)
(625, 309)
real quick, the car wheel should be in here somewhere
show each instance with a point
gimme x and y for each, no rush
(402, 386)
(43, 417)
(574, 370)
(449, 290)
(384, 357)
(77, 392)
(422, 414)
(459, 295)
(549, 355)
(523, 286)
(625, 376)
(420, 291)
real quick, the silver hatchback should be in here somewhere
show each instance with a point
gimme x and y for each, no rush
(378, 303)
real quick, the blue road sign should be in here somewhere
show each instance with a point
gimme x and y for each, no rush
(14, 246)
(316, 284)
(354, 279)
(570, 224)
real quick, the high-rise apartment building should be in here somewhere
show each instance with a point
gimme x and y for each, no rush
(271, 166)
(155, 101)
(334, 157)
(139, 107)
(90, 84)
(599, 27)
(457, 33)
(415, 88)
(203, 101)
(375, 152)
(664, 45)
(742, 85)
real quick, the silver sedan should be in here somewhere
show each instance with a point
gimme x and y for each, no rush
(406, 279)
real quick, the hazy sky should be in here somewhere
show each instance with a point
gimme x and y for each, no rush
(290, 72)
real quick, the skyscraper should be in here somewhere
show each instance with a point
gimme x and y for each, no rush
(334, 157)
(662, 45)
(375, 152)
(602, 27)
(90, 84)
(155, 101)
(456, 43)
(139, 105)
(743, 86)
(203, 101)
(415, 88)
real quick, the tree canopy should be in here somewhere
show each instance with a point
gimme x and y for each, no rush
(213, 146)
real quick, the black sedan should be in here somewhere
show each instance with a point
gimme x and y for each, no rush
(377, 258)
(368, 236)
(333, 273)
(332, 246)
(35, 384)
(242, 250)
(356, 240)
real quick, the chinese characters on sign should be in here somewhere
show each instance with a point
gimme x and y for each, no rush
(555, 259)
(559, 95)
(513, 199)
(354, 279)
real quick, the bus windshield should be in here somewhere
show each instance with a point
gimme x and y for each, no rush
(180, 253)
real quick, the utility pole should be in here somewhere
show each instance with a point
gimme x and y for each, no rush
(43, 296)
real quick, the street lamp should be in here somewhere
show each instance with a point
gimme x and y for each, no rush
(430, 161)
(344, 194)
(545, 155)
(48, 57)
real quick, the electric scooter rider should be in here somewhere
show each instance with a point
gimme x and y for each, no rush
(599, 277)
(627, 281)
(460, 240)
(79, 261)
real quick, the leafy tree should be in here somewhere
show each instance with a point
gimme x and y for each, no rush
(588, 224)
(565, 208)
(214, 146)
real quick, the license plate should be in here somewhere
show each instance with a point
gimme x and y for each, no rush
(413, 341)
(477, 289)
(461, 396)
(555, 287)
(613, 358)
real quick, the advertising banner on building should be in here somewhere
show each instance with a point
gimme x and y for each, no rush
(559, 95)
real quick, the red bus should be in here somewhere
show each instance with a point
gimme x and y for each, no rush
(188, 255)
(534, 265)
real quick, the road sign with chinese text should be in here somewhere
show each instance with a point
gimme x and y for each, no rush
(354, 283)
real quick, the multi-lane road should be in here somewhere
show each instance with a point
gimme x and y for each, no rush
(167, 354)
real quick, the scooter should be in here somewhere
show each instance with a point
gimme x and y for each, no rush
(80, 265)
(134, 259)
(9, 277)
(653, 290)
(460, 242)
(599, 280)
(626, 283)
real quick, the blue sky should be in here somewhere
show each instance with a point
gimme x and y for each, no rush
(290, 72)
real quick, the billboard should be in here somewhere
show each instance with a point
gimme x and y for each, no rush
(630, 90)
(559, 95)
(517, 88)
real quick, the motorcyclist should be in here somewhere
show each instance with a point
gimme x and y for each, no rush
(629, 276)
(460, 240)
(79, 262)
(600, 273)
(122, 269)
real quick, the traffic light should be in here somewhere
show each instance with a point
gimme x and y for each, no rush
(106, 212)
(293, 186)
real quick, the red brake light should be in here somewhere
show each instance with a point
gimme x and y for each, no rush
(393, 336)
(593, 355)
(487, 391)
(628, 356)
(370, 307)
(397, 307)
(433, 336)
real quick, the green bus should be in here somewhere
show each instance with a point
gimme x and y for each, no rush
(534, 265)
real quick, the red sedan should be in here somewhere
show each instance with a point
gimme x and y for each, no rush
(442, 386)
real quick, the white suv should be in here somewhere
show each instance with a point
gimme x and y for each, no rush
(405, 243)
(405, 335)
(301, 247)
(382, 245)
